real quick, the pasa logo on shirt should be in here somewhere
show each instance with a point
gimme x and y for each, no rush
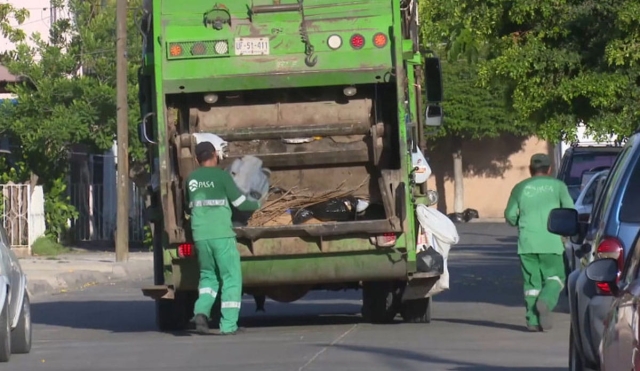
(194, 184)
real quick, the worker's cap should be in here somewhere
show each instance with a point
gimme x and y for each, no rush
(204, 151)
(540, 160)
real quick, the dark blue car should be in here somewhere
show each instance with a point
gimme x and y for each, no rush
(610, 233)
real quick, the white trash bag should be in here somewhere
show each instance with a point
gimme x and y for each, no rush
(438, 232)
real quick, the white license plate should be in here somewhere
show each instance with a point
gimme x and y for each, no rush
(252, 46)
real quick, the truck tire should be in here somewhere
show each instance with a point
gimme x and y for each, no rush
(379, 302)
(5, 332)
(175, 314)
(21, 335)
(417, 311)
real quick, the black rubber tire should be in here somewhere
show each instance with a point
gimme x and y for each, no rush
(417, 311)
(21, 335)
(576, 363)
(379, 302)
(5, 332)
(174, 314)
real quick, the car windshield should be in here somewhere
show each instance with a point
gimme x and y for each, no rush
(582, 162)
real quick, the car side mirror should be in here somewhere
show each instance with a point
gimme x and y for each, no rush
(604, 271)
(563, 222)
(433, 116)
(433, 80)
(145, 130)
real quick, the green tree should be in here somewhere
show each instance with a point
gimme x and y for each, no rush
(67, 97)
(563, 61)
(10, 14)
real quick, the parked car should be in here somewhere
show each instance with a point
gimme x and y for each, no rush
(584, 205)
(15, 310)
(610, 233)
(580, 159)
(620, 345)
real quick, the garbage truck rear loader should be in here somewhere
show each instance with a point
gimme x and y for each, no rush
(328, 94)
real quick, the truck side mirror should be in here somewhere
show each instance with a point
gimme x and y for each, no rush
(433, 116)
(145, 130)
(433, 80)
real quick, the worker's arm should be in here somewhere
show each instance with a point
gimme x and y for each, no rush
(237, 199)
(565, 197)
(512, 211)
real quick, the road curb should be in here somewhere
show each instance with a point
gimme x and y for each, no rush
(77, 279)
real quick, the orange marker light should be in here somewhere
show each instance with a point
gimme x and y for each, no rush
(380, 40)
(175, 50)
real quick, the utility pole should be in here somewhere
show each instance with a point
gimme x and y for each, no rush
(122, 231)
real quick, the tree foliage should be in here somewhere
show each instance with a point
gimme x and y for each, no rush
(563, 62)
(68, 96)
(473, 111)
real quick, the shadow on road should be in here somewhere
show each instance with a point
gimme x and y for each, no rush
(139, 315)
(489, 324)
(397, 358)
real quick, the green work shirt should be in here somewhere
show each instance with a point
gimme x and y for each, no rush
(528, 208)
(210, 193)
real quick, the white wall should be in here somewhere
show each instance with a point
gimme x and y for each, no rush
(41, 16)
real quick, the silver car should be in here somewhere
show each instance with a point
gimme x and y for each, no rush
(15, 311)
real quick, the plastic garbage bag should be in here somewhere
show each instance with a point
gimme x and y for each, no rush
(439, 234)
(250, 177)
(339, 209)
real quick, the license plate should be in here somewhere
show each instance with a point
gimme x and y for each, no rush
(252, 46)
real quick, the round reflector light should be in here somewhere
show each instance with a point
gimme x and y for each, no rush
(357, 41)
(198, 49)
(334, 42)
(221, 47)
(175, 50)
(380, 40)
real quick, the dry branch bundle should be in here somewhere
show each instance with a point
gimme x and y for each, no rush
(279, 204)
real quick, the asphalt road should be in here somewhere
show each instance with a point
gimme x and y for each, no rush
(477, 325)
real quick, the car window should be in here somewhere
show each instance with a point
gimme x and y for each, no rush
(582, 162)
(614, 174)
(630, 271)
(4, 238)
(630, 205)
(590, 193)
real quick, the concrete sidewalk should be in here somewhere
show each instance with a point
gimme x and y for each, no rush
(72, 271)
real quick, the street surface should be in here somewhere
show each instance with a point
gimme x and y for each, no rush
(476, 326)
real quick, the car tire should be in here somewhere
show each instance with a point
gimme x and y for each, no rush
(576, 363)
(379, 302)
(21, 335)
(5, 332)
(417, 311)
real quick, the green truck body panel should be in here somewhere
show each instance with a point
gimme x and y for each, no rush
(185, 57)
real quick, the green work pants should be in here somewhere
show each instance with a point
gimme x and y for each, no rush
(544, 277)
(219, 262)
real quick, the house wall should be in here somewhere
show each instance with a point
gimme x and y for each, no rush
(492, 167)
(40, 19)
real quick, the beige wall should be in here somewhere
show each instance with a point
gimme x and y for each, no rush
(491, 166)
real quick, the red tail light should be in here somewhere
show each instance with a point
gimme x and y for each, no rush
(610, 247)
(357, 41)
(185, 250)
(386, 240)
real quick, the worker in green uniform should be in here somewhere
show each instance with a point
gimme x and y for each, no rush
(211, 191)
(541, 253)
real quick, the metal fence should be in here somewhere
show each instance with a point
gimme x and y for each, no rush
(16, 212)
(96, 205)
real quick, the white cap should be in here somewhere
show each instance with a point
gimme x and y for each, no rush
(218, 143)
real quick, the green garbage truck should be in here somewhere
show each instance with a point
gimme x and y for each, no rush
(335, 97)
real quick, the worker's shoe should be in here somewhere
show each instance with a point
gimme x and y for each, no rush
(221, 333)
(533, 328)
(544, 315)
(202, 324)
